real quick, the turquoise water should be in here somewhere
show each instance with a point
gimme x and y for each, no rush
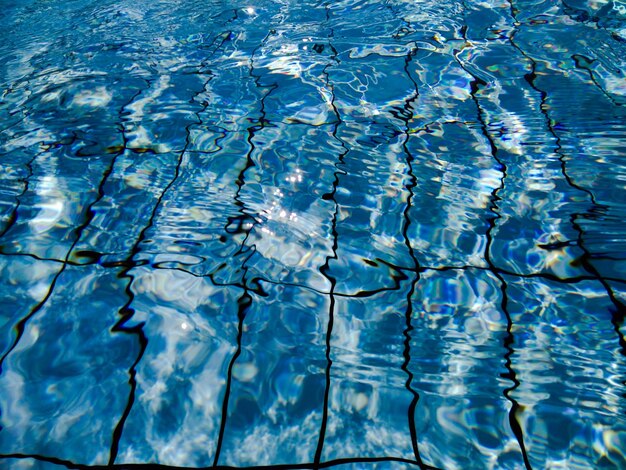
(350, 234)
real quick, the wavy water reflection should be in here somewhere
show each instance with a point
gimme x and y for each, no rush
(356, 234)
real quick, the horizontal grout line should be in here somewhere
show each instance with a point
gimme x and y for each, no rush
(420, 270)
(140, 466)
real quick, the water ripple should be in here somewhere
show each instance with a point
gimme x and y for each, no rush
(352, 234)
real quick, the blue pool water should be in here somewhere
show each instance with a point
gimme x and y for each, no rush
(352, 234)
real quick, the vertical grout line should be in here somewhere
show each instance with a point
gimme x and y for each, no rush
(509, 339)
(13, 217)
(246, 223)
(126, 311)
(325, 268)
(406, 116)
(619, 314)
(580, 62)
(243, 304)
(89, 214)
(20, 326)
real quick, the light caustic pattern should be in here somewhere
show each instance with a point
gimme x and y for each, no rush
(351, 234)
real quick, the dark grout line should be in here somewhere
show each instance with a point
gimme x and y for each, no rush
(243, 304)
(43, 458)
(405, 115)
(583, 17)
(244, 223)
(618, 315)
(89, 214)
(254, 282)
(582, 63)
(325, 269)
(245, 301)
(13, 217)
(148, 466)
(126, 311)
(509, 339)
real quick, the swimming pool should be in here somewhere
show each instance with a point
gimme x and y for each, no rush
(349, 234)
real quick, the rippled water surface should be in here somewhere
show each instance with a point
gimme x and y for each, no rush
(356, 234)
